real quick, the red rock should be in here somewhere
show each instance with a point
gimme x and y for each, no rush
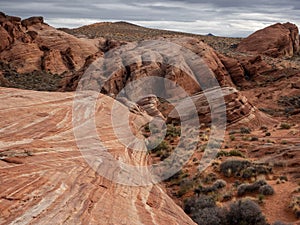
(235, 70)
(67, 53)
(44, 176)
(278, 40)
(32, 20)
(5, 40)
(13, 19)
(255, 67)
(53, 62)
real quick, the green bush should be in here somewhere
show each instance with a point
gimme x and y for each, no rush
(231, 153)
(173, 131)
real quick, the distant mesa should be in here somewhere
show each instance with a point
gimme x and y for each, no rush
(210, 35)
(278, 40)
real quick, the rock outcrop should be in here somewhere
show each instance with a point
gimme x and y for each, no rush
(31, 44)
(45, 179)
(150, 105)
(146, 59)
(238, 109)
(278, 40)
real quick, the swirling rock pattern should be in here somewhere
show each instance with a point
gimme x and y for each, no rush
(45, 179)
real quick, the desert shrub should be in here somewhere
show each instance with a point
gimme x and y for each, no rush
(233, 167)
(36, 80)
(268, 134)
(173, 131)
(193, 204)
(163, 146)
(254, 139)
(219, 184)
(249, 172)
(210, 216)
(185, 186)
(262, 169)
(250, 188)
(245, 130)
(260, 198)
(203, 210)
(221, 153)
(245, 212)
(227, 197)
(283, 177)
(280, 223)
(258, 184)
(285, 126)
(266, 190)
(242, 189)
(210, 178)
(295, 206)
(236, 153)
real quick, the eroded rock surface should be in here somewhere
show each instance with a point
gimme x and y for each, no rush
(277, 40)
(45, 179)
(31, 44)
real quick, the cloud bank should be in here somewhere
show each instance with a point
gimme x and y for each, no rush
(223, 18)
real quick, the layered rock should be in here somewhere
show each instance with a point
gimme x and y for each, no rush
(150, 105)
(45, 178)
(238, 109)
(193, 64)
(138, 64)
(277, 40)
(31, 44)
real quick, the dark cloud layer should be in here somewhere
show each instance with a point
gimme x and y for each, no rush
(226, 18)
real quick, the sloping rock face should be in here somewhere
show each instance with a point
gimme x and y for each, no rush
(238, 109)
(278, 40)
(134, 62)
(31, 44)
(151, 60)
(45, 179)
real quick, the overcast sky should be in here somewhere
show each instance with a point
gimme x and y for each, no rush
(221, 17)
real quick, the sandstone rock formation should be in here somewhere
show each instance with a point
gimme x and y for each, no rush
(45, 179)
(238, 109)
(31, 44)
(277, 40)
(150, 105)
(153, 58)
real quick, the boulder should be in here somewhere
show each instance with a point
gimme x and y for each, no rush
(278, 40)
(32, 20)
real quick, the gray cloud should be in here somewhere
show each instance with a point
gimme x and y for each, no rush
(225, 18)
